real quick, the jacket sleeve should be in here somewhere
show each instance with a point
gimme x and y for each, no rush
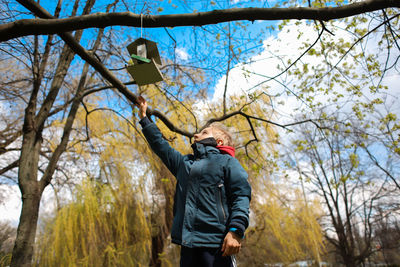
(239, 194)
(169, 156)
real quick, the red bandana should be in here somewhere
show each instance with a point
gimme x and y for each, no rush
(227, 150)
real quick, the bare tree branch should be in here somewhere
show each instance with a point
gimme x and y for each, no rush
(9, 167)
(291, 65)
(375, 161)
(228, 68)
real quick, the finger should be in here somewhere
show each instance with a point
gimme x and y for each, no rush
(231, 251)
(140, 100)
(225, 253)
(228, 250)
(223, 246)
(235, 249)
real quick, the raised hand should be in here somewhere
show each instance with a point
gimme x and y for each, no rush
(142, 105)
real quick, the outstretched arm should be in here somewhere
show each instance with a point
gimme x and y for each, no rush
(170, 157)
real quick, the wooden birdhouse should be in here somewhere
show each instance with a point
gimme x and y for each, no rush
(145, 62)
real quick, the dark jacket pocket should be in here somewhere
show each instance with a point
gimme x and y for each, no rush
(219, 197)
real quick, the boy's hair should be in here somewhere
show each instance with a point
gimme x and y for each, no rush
(221, 132)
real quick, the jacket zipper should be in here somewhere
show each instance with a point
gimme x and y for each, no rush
(220, 200)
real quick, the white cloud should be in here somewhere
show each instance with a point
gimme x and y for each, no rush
(10, 209)
(289, 44)
(182, 54)
(245, 78)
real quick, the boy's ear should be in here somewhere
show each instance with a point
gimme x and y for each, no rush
(220, 142)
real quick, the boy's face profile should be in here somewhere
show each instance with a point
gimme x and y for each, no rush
(205, 133)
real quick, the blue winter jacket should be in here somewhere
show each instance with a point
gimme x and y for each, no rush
(212, 191)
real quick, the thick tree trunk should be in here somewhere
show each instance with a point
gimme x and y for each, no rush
(31, 195)
(23, 248)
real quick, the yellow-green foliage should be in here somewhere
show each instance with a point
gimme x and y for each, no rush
(285, 230)
(5, 260)
(102, 227)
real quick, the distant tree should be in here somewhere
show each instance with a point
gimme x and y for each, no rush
(7, 238)
(350, 188)
(387, 235)
(286, 229)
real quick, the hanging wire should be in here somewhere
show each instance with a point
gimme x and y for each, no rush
(141, 24)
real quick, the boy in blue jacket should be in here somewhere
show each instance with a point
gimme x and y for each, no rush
(212, 197)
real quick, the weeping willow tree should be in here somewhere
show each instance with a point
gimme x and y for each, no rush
(107, 223)
(284, 230)
(101, 227)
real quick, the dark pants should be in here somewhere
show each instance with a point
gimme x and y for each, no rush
(205, 257)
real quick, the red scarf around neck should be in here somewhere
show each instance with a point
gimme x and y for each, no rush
(227, 150)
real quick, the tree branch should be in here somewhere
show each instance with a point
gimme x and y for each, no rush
(26, 27)
(9, 167)
(375, 161)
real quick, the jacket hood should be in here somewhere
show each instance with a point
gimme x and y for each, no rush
(201, 150)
